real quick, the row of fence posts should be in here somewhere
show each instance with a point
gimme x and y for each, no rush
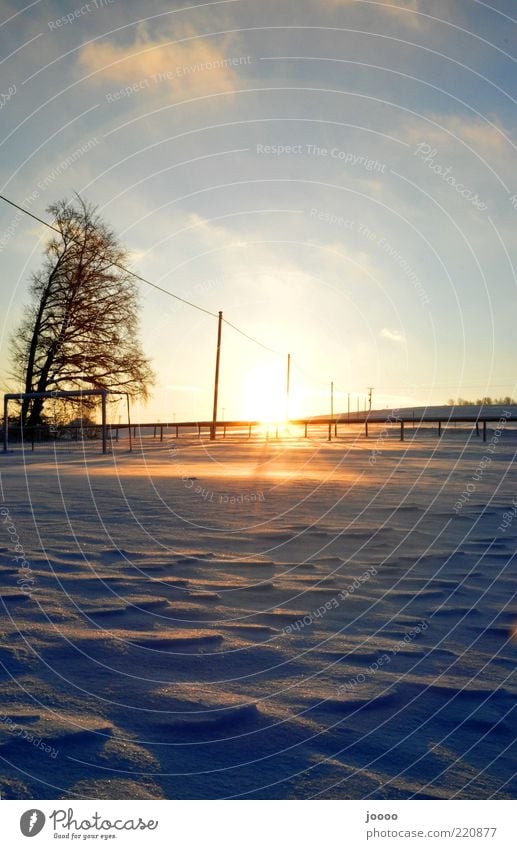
(332, 426)
(158, 430)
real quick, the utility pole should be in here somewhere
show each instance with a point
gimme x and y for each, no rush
(216, 383)
(370, 390)
(288, 386)
(331, 410)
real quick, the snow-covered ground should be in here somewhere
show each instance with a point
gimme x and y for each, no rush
(260, 619)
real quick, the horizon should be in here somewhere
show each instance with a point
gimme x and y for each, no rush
(298, 194)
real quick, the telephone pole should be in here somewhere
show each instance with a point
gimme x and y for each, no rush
(288, 386)
(370, 390)
(331, 410)
(216, 383)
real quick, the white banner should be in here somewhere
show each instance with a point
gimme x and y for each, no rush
(254, 825)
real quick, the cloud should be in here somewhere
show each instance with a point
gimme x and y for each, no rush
(484, 136)
(393, 336)
(394, 8)
(404, 9)
(481, 150)
(189, 65)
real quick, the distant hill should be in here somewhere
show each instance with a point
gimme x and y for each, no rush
(432, 412)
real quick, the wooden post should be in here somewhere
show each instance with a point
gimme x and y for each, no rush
(439, 428)
(161, 433)
(129, 423)
(224, 431)
(366, 428)
(306, 429)
(199, 431)
(402, 431)
(287, 387)
(213, 429)
(331, 410)
(177, 431)
(484, 431)
(249, 431)
(103, 422)
(477, 428)
(154, 432)
(6, 425)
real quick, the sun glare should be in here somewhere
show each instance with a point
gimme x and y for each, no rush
(264, 398)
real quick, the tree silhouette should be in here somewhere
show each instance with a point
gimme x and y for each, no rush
(80, 329)
(481, 402)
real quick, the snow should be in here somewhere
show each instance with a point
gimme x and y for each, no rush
(259, 618)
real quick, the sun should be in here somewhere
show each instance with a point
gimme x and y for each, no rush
(264, 396)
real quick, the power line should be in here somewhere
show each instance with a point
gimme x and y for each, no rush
(252, 339)
(122, 267)
(185, 301)
(31, 214)
(114, 264)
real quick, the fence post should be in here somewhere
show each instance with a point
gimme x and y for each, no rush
(103, 419)
(6, 424)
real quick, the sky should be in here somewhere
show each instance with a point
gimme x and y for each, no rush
(336, 176)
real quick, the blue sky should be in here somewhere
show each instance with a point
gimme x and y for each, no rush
(336, 176)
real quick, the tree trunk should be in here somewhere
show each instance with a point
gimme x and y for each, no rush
(29, 374)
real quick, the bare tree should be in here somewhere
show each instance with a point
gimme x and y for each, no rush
(80, 330)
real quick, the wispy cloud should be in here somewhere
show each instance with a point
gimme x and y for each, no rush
(406, 10)
(483, 135)
(189, 64)
(393, 336)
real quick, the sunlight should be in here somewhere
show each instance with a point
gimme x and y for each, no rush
(264, 395)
